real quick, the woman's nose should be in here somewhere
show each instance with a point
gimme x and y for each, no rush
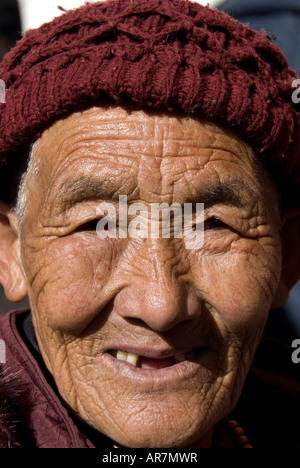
(157, 295)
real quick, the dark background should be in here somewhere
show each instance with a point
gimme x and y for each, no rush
(10, 32)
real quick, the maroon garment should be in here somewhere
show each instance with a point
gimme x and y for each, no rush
(47, 422)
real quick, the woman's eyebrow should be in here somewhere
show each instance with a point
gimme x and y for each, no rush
(236, 193)
(76, 190)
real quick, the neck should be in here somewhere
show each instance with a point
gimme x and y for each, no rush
(205, 441)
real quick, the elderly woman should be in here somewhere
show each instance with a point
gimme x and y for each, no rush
(134, 340)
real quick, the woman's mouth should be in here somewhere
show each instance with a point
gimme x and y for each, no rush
(149, 363)
(154, 367)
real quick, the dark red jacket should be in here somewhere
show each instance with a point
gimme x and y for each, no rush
(34, 409)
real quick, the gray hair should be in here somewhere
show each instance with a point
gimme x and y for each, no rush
(20, 208)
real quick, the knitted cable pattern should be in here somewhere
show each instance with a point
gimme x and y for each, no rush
(162, 54)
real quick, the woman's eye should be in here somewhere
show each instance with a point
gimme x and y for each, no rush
(214, 224)
(211, 224)
(97, 225)
(91, 226)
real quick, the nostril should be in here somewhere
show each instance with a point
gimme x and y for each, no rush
(161, 304)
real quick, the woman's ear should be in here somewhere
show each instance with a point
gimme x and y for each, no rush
(291, 256)
(11, 272)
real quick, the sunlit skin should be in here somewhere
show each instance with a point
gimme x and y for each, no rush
(151, 297)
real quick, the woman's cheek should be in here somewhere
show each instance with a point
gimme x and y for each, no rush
(67, 290)
(240, 283)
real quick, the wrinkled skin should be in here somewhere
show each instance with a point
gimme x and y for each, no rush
(149, 296)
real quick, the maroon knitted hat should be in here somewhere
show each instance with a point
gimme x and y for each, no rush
(161, 54)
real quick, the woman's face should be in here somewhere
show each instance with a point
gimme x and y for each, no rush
(148, 341)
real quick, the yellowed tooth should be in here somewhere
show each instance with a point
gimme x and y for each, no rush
(179, 358)
(121, 355)
(133, 359)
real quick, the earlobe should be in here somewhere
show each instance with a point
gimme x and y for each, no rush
(291, 257)
(11, 274)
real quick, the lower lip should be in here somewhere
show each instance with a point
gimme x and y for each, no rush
(181, 371)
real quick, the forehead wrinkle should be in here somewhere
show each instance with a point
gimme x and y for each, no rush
(96, 176)
(162, 139)
(82, 188)
(159, 139)
(157, 130)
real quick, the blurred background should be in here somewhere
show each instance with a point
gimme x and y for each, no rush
(279, 19)
(10, 24)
